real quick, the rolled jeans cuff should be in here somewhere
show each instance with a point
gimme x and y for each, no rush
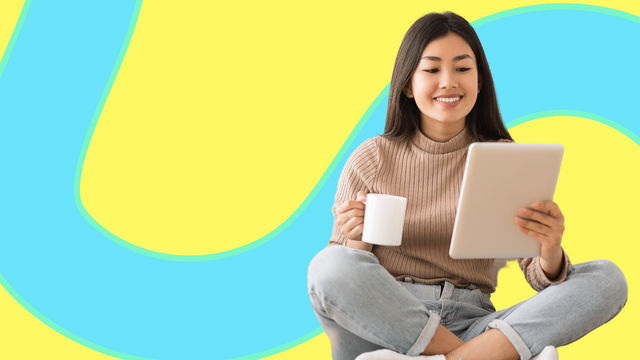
(514, 338)
(426, 335)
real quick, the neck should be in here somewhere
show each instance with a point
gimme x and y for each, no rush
(441, 132)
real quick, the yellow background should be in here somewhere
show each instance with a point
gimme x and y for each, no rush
(225, 115)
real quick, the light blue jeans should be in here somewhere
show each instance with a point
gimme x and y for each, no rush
(362, 308)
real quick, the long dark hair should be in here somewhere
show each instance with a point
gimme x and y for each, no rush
(484, 122)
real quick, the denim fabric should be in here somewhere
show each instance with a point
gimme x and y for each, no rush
(362, 308)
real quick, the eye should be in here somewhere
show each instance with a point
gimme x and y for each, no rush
(432, 71)
(463, 69)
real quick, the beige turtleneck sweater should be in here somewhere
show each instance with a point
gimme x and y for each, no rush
(429, 174)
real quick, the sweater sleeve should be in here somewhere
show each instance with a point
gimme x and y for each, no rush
(533, 271)
(359, 174)
(536, 277)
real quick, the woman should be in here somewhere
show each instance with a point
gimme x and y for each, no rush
(377, 302)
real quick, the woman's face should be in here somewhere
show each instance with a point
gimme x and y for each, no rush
(445, 83)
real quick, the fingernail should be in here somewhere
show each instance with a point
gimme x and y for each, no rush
(524, 211)
(535, 205)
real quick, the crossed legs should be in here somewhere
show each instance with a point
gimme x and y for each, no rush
(363, 308)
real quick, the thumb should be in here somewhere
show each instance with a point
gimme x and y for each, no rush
(362, 196)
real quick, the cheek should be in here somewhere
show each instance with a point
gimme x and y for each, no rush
(472, 99)
(423, 91)
(424, 103)
(472, 92)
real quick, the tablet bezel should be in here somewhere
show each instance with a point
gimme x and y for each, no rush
(498, 179)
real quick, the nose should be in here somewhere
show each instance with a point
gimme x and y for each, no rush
(448, 79)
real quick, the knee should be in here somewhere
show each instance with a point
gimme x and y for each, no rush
(335, 265)
(610, 279)
(610, 275)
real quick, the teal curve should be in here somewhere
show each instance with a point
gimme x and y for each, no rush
(14, 35)
(62, 331)
(509, 125)
(579, 114)
(3, 281)
(282, 347)
(337, 159)
(557, 6)
(331, 168)
(522, 119)
(120, 355)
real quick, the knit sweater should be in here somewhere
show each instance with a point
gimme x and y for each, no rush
(429, 174)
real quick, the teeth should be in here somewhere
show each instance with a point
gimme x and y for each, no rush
(448, 99)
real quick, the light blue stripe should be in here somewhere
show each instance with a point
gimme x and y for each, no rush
(222, 321)
(348, 142)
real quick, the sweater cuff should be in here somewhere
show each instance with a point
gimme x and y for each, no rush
(563, 273)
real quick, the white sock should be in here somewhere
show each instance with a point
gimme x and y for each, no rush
(548, 353)
(386, 354)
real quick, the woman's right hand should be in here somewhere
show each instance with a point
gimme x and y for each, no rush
(350, 216)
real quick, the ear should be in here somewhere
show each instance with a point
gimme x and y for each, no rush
(479, 82)
(407, 91)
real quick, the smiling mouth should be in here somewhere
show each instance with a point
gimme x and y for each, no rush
(448, 99)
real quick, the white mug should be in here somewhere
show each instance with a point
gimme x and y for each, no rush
(384, 219)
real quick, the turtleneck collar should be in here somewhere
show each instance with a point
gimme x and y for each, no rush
(433, 147)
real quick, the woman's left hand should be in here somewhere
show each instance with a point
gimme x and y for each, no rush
(548, 230)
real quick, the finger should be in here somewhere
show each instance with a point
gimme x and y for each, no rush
(534, 234)
(533, 226)
(538, 216)
(341, 208)
(362, 196)
(550, 206)
(356, 233)
(352, 222)
(342, 219)
(351, 226)
(355, 213)
(547, 244)
(354, 204)
(348, 205)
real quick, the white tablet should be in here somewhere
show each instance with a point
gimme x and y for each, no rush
(498, 179)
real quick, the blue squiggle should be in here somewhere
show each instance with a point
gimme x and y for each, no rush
(133, 305)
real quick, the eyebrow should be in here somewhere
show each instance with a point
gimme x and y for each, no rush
(457, 58)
